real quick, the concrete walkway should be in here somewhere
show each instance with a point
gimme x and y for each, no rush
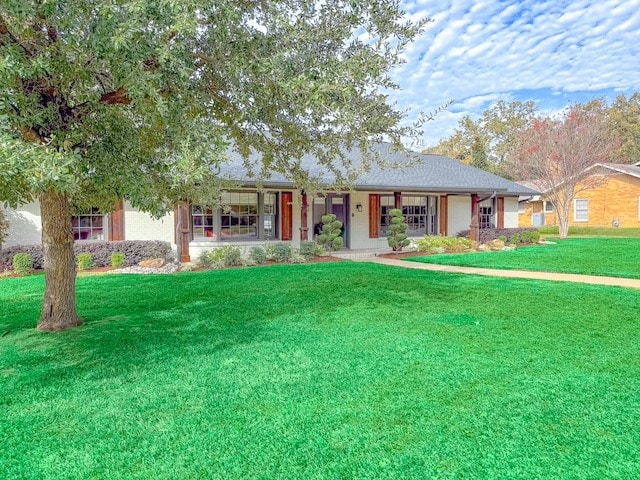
(555, 277)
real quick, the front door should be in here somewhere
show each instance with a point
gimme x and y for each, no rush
(337, 204)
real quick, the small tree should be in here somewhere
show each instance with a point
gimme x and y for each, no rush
(559, 156)
(396, 235)
(330, 237)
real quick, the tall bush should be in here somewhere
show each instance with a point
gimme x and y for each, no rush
(396, 236)
(329, 237)
(22, 263)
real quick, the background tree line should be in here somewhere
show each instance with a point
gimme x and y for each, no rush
(491, 141)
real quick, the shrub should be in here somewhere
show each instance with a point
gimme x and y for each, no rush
(22, 263)
(502, 238)
(441, 244)
(134, 251)
(329, 237)
(282, 252)
(310, 249)
(218, 258)
(85, 261)
(530, 237)
(117, 260)
(258, 255)
(297, 257)
(488, 234)
(515, 239)
(211, 259)
(232, 256)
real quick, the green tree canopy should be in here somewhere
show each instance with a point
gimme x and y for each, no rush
(138, 99)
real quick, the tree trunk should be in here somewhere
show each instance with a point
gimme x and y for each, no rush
(563, 224)
(59, 305)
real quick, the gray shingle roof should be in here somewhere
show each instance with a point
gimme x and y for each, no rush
(432, 173)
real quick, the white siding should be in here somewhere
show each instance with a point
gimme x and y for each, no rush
(141, 226)
(359, 224)
(25, 227)
(459, 214)
(511, 212)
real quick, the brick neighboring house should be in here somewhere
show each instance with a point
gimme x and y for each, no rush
(614, 201)
(437, 195)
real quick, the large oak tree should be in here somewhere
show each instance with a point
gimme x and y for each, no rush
(138, 99)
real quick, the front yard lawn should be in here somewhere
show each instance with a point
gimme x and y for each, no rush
(322, 371)
(616, 257)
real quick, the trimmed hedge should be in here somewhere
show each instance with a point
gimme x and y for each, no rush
(134, 251)
(489, 234)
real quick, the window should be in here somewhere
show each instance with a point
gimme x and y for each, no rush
(243, 216)
(548, 207)
(420, 214)
(581, 210)
(387, 203)
(522, 207)
(202, 221)
(485, 213)
(88, 225)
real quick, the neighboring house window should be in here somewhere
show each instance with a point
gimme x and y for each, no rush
(89, 225)
(548, 207)
(521, 207)
(581, 210)
(485, 213)
(243, 216)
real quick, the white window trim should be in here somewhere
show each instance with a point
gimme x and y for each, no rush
(575, 210)
(544, 207)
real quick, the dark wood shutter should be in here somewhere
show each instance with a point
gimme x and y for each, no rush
(374, 215)
(287, 215)
(444, 214)
(116, 222)
(500, 212)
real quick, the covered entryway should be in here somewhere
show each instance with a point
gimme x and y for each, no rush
(335, 203)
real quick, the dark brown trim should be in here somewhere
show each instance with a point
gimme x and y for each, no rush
(287, 215)
(116, 223)
(444, 214)
(374, 215)
(304, 219)
(500, 207)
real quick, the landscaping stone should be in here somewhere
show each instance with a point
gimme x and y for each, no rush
(137, 269)
(153, 263)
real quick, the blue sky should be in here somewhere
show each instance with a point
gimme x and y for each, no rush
(555, 52)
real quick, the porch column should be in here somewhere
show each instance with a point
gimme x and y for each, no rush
(444, 215)
(474, 228)
(500, 219)
(304, 220)
(397, 196)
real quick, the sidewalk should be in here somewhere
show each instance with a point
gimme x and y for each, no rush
(554, 277)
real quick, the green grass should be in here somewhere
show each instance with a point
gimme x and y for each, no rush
(322, 371)
(593, 231)
(616, 257)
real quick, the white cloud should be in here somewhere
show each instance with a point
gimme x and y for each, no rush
(478, 53)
